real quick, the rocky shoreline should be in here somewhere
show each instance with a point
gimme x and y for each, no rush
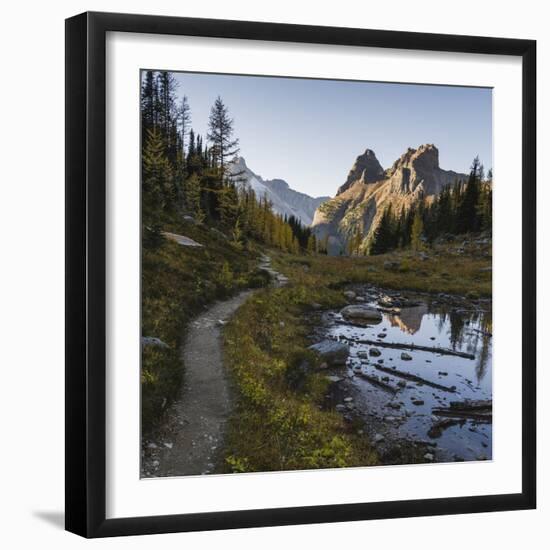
(376, 387)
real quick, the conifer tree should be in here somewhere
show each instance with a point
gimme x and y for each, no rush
(193, 197)
(156, 181)
(381, 240)
(224, 146)
(184, 118)
(417, 231)
(147, 103)
(467, 219)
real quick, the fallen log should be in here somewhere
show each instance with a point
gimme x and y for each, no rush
(414, 378)
(482, 332)
(376, 382)
(472, 415)
(471, 404)
(397, 345)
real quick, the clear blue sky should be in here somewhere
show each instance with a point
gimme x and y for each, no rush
(309, 132)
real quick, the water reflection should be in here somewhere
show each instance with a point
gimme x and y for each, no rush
(430, 324)
(410, 319)
(467, 330)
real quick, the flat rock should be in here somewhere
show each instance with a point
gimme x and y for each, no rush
(182, 239)
(360, 312)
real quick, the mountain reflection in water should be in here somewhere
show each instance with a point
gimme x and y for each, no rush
(411, 412)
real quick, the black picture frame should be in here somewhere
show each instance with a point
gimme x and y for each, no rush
(86, 274)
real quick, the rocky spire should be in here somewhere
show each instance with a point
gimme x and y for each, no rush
(366, 168)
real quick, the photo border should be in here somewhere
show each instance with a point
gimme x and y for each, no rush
(86, 273)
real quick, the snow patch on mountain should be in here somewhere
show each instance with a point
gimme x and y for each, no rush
(284, 199)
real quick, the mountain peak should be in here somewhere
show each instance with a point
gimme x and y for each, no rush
(366, 168)
(414, 176)
(240, 163)
(416, 167)
(284, 200)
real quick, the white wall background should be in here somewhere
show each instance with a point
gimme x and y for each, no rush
(32, 271)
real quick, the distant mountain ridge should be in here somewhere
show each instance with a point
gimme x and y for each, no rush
(369, 190)
(284, 199)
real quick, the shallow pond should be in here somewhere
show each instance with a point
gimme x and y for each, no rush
(402, 394)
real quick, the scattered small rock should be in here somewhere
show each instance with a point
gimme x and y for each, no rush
(405, 356)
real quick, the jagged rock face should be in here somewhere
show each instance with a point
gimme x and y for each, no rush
(284, 199)
(365, 168)
(369, 189)
(420, 168)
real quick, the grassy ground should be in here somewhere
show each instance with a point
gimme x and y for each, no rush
(439, 269)
(280, 423)
(177, 282)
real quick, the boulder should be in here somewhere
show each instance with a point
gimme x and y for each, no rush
(350, 295)
(334, 353)
(153, 341)
(359, 312)
(390, 266)
(375, 352)
(405, 356)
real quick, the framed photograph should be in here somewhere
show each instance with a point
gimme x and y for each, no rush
(300, 274)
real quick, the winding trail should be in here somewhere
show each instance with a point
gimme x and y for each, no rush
(192, 437)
